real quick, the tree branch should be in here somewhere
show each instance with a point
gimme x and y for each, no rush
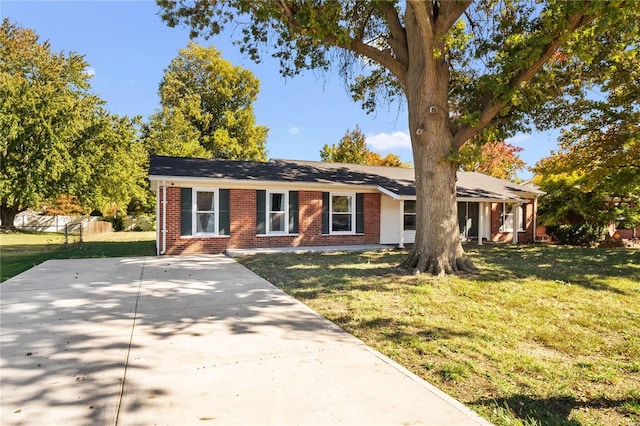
(450, 11)
(382, 57)
(424, 20)
(491, 104)
(398, 39)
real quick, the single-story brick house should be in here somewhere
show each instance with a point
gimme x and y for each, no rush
(208, 206)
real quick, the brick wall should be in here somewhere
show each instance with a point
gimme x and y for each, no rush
(242, 218)
(504, 237)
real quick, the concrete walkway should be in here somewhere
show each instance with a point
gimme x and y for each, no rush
(190, 340)
(311, 249)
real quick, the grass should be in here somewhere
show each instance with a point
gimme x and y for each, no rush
(20, 251)
(542, 335)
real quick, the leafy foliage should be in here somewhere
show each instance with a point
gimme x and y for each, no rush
(576, 234)
(484, 69)
(55, 137)
(498, 159)
(206, 109)
(353, 149)
(599, 156)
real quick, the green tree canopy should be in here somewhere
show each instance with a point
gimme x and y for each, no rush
(353, 149)
(206, 109)
(55, 137)
(595, 175)
(466, 69)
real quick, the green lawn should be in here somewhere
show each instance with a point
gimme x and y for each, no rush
(542, 335)
(20, 251)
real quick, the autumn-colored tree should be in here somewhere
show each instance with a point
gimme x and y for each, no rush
(466, 69)
(389, 160)
(498, 159)
(206, 109)
(594, 176)
(353, 149)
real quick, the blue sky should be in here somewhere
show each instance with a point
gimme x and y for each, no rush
(128, 47)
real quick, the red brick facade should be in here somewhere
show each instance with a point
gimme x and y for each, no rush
(242, 220)
(526, 236)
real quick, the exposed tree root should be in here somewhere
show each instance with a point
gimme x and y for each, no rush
(419, 262)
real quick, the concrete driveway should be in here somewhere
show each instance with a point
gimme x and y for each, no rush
(190, 340)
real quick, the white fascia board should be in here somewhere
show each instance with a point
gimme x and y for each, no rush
(260, 184)
(493, 200)
(391, 194)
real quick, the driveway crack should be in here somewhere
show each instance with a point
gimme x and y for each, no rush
(126, 362)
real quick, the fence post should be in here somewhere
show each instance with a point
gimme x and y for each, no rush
(80, 231)
(66, 235)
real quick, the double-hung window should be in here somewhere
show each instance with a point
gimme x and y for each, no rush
(409, 215)
(507, 213)
(342, 213)
(277, 213)
(204, 212)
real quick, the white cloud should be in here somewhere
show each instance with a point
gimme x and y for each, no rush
(91, 72)
(519, 138)
(295, 130)
(389, 141)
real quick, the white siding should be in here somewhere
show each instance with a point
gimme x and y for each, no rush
(409, 237)
(389, 220)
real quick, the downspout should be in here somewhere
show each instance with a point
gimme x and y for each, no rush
(164, 217)
(158, 231)
(401, 221)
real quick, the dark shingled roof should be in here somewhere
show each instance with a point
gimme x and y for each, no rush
(400, 181)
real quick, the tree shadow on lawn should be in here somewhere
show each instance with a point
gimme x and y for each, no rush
(309, 275)
(67, 333)
(589, 268)
(552, 411)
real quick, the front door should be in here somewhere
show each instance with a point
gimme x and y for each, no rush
(468, 214)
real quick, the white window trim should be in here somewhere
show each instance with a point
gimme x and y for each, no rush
(352, 213)
(268, 213)
(521, 218)
(194, 212)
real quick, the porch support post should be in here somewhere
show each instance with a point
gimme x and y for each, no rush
(480, 222)
(401, 221)
(516, 221)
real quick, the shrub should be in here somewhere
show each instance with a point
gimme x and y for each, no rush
(117, 222)
(576, 235)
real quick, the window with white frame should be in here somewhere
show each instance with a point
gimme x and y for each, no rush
(277, 212)
(342, 213)
(507, 217)
(205, 211)
(409, 215)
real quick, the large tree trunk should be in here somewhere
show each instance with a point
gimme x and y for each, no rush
(8, 215)
(437, 248)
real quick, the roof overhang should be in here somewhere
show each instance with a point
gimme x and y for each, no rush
(253, 183)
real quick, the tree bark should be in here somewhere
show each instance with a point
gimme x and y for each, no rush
(8, 215)
(437, 248)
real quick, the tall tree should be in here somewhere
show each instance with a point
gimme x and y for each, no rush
(55, 137)
(206, 109)
(43, 101)
(353, 149)
(109, 163)
(499, 159)
(465, 69)
(595, 174)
